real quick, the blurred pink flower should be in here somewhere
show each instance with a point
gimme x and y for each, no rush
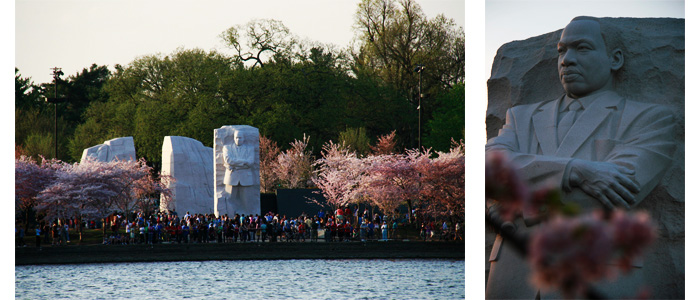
(505, 186)
(567, 253)
(632, 233)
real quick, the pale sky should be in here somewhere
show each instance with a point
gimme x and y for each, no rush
(73, 34)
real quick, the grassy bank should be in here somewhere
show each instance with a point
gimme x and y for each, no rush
(238, 251)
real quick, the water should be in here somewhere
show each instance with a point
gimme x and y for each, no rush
(285, 279)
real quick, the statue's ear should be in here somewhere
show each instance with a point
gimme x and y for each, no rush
(616, 60)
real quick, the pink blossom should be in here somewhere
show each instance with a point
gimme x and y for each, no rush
(268, 161)
(568, 253)
(504, 185)
(32, 178)
(338, 175)
(95, 189)
(385, 144)
(294, 166)
(391, 180)
(442, 182)
(632, 233)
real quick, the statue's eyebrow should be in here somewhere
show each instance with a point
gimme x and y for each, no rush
(575, 42)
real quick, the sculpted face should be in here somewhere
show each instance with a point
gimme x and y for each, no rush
(585, 67)
(238, 138)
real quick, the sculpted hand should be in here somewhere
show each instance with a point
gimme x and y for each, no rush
(609, 183)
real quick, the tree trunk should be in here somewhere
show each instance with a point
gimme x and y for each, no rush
(104, 227)
(80, 230)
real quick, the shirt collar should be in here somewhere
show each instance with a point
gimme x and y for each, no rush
(585, 101)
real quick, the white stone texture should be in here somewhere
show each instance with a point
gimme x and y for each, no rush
(190, 163)
(525, 72)
(114, 149)
(244, 197)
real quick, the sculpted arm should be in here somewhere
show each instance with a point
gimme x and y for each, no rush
(644, 148)
(536, 169)
(626, 175)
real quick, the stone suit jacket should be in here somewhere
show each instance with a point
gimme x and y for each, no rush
(238, 161)
(612, 129)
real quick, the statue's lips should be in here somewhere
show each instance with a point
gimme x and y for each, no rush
(569, 76)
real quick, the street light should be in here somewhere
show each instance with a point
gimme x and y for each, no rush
(419, 69)
(55, 100)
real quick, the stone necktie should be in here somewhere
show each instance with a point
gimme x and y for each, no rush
(568, 120)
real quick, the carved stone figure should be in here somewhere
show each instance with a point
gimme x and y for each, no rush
(237, 170)
(191, 165)
(601, 149)
(238, 160)
(119, 148)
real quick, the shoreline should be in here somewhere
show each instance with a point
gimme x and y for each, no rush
(77, 254)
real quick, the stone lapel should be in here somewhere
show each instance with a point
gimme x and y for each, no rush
(544, 120)
(583, 130)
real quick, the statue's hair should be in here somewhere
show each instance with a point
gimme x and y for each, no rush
(611, 34)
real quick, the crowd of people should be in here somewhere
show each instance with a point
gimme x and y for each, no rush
(167, 227)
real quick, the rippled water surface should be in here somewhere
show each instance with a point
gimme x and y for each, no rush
(282, 279)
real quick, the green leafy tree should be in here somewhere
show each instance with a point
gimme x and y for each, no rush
(447, 123)
(34, 117)
(356, 140)
(395, 36)
(26, 95)
(39, 144)
(392, 39)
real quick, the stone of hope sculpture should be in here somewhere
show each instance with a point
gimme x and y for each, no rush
(237, 170)
(604, 143)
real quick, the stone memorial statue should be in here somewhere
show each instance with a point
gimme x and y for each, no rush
(191, 165)
(600, 148)
(115, 149)
(237, 170)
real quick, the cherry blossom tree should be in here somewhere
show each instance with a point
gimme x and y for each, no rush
(442, 183)
(385, 144)
(268, 162)
(85, 190)
(138, 186)
(94, 189)
(338, 174)
(294, 166)
(32, 178)
(392, 180)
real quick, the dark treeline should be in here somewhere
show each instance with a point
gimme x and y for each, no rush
(269, 79)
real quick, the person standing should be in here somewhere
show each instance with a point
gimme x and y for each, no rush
(363, 230)
(21, 236)
(385, 231)
(38, 236)
(66, 232)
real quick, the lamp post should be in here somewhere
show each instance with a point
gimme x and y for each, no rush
(419, 69)
(55, 100)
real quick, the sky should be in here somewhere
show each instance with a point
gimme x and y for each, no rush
(73, 34)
